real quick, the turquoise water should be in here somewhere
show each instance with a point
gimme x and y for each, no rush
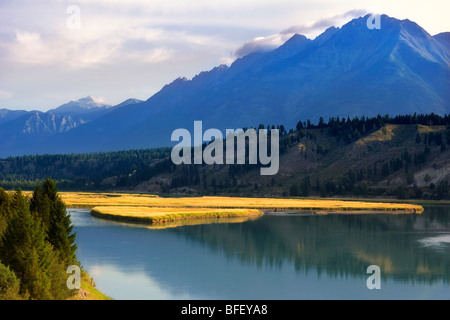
(273, 257)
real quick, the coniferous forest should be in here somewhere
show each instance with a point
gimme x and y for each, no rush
(36, 245)
(378, 156)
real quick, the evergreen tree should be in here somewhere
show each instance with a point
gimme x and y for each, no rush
(418, 138)
(4, 210)
(9, 284)
(305, 186)
(19, 203)
(26, 252)
(4, 204)
(40, 206)
(60, 227)
(28, 258)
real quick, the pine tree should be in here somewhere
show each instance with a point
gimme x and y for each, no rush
(60, 227)
(60, 232)
(4, 204)
(4, 210)
(25, 247)
(9, 284)
(19, 203)
(26, 252)
(40, 206)
(418, 138)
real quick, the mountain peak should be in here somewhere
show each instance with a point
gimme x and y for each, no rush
(296, 44)
(90, 99)
(128, 102)
(83, 105)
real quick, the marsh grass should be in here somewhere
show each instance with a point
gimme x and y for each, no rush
(179, 204)
(154, 215)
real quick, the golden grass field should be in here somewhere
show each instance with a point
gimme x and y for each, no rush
(172, 212)
(156, 215)
(73, 199)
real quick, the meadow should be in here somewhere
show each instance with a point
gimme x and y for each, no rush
(153, 209)
(168, 215)
(90, 200)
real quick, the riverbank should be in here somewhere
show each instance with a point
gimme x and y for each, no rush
(88, 290)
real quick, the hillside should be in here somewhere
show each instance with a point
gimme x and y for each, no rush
(398, 157)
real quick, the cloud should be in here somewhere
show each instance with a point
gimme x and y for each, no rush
(261, 44)
(106, 37)
(27, 37)
(5, 95)
(153, 56)
(142, 45)
(325, 22)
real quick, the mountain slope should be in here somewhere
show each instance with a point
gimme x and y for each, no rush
(25, 132)
(348, 71)
(8, 115)
(444, 39)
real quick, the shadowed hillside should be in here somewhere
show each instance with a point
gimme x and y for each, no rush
(402, 157)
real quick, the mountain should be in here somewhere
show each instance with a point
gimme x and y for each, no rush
(127, 103)
(8, 115)
(22, 128)
(84, 105)
(444, 39)
(347, 71)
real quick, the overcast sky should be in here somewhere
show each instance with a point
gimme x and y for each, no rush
(54, 51)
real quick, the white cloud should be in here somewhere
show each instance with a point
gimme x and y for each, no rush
(156, 55)
(5, 95)
(321, 24)
(261, 44)
(145, 44)
(27, 37)
(310, 30)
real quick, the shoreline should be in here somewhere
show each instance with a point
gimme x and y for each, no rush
(88, 290)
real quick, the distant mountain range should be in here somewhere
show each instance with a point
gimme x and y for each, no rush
(347, 71)
(19, 128)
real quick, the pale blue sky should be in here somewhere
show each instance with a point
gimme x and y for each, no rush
(131, 48)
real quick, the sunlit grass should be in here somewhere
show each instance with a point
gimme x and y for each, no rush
(139, 200)
(169, 214)
(386, 133)
(88, 290)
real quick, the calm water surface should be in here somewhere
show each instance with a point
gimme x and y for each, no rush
(274, 257)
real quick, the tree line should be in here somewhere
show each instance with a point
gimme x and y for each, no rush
(127, 169)
(37, 244)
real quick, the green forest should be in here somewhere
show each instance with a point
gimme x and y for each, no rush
(418, 144)
(36, 245)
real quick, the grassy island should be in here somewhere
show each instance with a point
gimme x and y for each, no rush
(157, 215)
(158, 210)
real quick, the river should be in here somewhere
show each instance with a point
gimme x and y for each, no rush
(274, 257)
